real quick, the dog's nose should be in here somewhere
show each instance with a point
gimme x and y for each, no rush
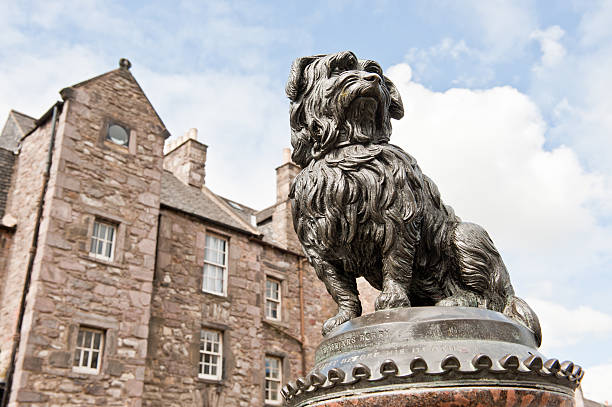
(370, 77)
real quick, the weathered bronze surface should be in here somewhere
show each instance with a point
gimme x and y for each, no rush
(448, 354)
(448, 330)
(362, 206)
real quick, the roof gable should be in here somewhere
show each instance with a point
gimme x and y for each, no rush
(112, 76)
(16, 127)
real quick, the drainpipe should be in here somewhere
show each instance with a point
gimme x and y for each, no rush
(33, 248)
(302, 334)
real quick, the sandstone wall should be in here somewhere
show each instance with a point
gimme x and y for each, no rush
(91, 179)
(22, 203)
(6, 241)
(148, 299)
(180, 310)
(186, 159)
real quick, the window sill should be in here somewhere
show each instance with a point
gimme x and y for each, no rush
(110, 263)
(83, 375)
(210, 381)
(224, 296)
(122, 149)
(276, 323)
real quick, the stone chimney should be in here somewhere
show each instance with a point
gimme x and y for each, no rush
(282, 221)
(285, 175)
(185, 157)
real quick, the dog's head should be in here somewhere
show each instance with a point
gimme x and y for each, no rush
(337, 99)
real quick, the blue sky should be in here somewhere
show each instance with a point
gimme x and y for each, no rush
(507, 109)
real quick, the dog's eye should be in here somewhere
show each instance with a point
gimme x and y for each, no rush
(375, 69)
(338, 69)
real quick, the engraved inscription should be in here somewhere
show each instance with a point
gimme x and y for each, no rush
(401, 351)
(353, 342)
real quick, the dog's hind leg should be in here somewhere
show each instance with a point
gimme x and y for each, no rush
(481, 279)
(483, 273)
(343, 289)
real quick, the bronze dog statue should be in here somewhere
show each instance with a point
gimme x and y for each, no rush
(362, 206)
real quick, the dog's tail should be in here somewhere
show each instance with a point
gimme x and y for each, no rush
(518, 310)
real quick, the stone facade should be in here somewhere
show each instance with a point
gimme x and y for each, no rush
(145, 300)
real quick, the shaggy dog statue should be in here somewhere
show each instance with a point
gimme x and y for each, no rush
(362, 206)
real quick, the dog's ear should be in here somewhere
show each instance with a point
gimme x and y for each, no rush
(396, 110)
(296, 74)
(302, 146)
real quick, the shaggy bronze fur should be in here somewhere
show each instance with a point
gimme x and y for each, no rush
(362, 206)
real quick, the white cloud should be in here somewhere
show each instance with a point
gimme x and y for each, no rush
(576, 91)
(552, 50)
(30, 83)
(505, 24)
(596, 383)
(242, 118)
(485, 150)
(434, 60)
(564, 326)
(595, 23)
(240, 113)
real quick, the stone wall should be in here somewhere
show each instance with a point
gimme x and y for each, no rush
(185, 157)
(6, 241)
(282, 221)
(92, 178)
(148, 299)
(23, 200)
(180, 309)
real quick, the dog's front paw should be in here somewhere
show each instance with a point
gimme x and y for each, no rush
(393, 296)
(341, 317)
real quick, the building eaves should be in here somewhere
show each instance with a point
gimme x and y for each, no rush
(46, 116)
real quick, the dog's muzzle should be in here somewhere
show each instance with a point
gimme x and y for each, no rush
(359, 84)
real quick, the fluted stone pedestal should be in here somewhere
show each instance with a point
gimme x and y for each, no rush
(433, 356)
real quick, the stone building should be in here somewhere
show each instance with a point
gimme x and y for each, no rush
(125, 281)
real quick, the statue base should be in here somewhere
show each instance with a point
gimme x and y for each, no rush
(456, 397)
(433, 356)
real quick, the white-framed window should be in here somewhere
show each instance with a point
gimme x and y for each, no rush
(274, 370)
(103, 240)
(215, 265)
(88, 351)
(211, 354)
(273, 299)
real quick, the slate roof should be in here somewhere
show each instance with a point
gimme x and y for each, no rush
(7, 159)
(202, 203)
(17, 125)
(265, 214)
(241, 210)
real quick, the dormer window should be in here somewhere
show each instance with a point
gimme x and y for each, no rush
(118, 134)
